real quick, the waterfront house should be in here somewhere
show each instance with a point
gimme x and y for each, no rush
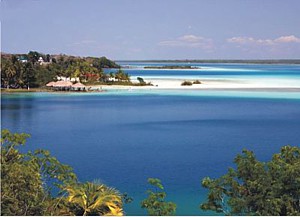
(62, 85)
(78, 86)
(66, 86)
(50, 84)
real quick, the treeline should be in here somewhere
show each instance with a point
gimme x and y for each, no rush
(36, 69)
(252, 188)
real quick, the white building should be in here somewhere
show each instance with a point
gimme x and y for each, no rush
(41, 60)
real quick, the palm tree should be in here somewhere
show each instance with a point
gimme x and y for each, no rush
(119, 75)
(91, 198)
(8, 72)
(126, 77)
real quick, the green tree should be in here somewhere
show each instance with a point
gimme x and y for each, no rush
(257, 188)
(48, 58)
(30, 75)
(92, 198)
(121, 76)
(111, 75)
(8, 73)
(141, 80)
(155, 202)
(28, 178)
(33, 56)
(21, 184)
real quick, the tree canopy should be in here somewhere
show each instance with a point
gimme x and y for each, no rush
(36, 69)
(28, 180)
(155, 203)
(257, 188)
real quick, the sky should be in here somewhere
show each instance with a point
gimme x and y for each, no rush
(153, 29)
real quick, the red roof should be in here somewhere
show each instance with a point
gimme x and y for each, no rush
(62, 84)
(50, 84)
(78, 85)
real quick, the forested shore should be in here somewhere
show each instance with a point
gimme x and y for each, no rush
(34, 70)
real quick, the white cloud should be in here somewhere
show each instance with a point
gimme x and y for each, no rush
(240, 40)
(253, 41)
(287, 39)
(191, 38)
(191, 41)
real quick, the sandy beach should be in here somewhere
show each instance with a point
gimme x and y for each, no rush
(226, 84)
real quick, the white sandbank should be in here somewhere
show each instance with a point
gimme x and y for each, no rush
(159, 83)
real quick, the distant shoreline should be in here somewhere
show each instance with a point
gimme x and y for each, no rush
(236, 61)
(171, 67)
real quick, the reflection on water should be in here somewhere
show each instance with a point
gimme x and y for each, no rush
(17, 110)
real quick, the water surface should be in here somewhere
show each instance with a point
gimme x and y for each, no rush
(123, 137)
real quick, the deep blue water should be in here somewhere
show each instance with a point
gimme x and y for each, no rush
(124, 138)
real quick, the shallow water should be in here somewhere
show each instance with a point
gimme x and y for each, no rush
(123, 137)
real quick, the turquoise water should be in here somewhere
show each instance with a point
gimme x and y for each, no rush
(282, 76)
(124, 137)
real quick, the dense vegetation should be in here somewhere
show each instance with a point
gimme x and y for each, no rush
(29, 182)
(36, 69)
(258, 188)
(155, 202)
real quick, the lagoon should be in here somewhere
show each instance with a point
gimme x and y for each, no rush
(180, 136)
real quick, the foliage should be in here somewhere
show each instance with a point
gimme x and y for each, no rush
(122, 76)
(28, 180)
(186, 83)
(21, 184)
(25, 70)
(102, 62)
(257, 188)
(155, 203)
(52, 172)
(92, 198)
(141, 80)
(126, 198)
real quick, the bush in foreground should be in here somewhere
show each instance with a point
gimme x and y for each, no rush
(27, 180)
(155, 202)
(258, 188)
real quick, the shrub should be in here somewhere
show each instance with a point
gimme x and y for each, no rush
(186, 83)
(155, 202)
